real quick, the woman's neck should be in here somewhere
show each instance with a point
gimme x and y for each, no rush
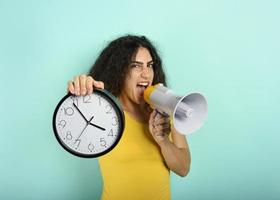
(139, 112)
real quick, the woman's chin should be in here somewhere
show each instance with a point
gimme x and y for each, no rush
(140, 100)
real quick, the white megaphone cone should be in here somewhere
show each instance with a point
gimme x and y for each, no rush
(188, 112)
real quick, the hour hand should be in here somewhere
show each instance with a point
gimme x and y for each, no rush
(80, 112)
(103, 129)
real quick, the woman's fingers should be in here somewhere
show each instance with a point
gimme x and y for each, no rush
(162, 127)
(83, 89)
(151, 121)
(159, 126)
(89, 84)
(70, 87)
(77, 85)
(83, 85)
(152, 117)
(159, 121)
(98, 84)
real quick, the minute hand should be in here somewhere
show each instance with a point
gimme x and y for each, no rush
(103, 129)
(80, 112)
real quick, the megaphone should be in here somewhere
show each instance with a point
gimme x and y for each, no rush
(188, 112)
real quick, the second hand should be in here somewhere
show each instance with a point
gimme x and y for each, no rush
(85, 128)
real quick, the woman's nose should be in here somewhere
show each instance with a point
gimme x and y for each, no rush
(145, 72)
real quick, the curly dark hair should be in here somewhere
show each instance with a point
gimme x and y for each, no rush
(112, 65)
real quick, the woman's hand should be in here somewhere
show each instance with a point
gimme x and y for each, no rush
(159, 126)
(83, 85)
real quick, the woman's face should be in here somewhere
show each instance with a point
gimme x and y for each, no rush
(139, 77)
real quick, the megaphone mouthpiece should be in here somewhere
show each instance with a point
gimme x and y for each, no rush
(184, 110)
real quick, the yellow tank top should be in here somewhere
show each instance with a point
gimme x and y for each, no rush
(135, 169)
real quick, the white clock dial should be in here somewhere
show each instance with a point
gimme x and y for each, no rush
(88, 126)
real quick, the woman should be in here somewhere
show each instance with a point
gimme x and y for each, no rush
(138, 167)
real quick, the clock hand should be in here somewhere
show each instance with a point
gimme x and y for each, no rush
(80, 112)
(103, 129)
(88, 122)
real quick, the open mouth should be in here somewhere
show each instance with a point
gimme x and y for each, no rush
(141, 86)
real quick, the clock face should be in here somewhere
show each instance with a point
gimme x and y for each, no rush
(88, 126)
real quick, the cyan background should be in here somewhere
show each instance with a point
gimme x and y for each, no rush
(228, 50)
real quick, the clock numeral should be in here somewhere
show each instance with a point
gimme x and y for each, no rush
(109, 109)
(62, 123)
(115, 122)
(110, 133)
(103, 142)
(90, 147)
(86, 99)
(69, 135)
(77, 143)
(75, 101)
(68, 111)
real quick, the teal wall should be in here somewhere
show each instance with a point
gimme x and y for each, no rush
(228, 50)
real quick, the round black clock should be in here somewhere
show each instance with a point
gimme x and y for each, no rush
(88, 126)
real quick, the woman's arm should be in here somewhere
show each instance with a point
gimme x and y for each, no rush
(176, 152)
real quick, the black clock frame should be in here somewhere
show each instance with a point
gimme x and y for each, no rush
(114, 101)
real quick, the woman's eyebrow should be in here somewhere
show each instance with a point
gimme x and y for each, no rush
(136, 62)
(141, 63)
